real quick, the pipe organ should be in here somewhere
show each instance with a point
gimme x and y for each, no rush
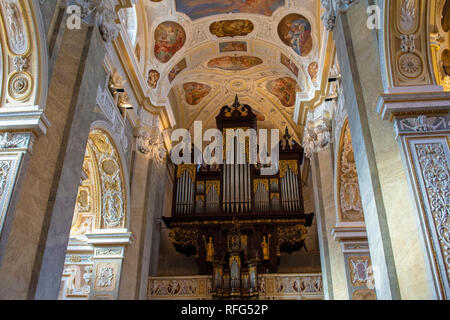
(236, 221)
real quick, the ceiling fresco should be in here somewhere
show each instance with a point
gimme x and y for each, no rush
(295, 31)
(288, 63)
(196, 9)
(180, 66)
(195, 92)
(169, 38)
(232, 46)
(234, 63)
(153, 78)
(231, 28)
(266, 52)
(285, 89)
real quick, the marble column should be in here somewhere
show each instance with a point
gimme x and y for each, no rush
(33, 254)
(387, 202)
(422, 128)
(146, 184)
(332, 258)
(322, 230)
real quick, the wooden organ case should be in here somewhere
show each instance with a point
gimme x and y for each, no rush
(234, 220)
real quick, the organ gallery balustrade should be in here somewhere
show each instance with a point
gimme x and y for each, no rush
(270, 287)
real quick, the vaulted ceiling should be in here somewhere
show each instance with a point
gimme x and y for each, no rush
(203, 53)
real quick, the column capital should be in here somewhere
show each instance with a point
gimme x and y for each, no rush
(317, 134)
(421, 124)
(352, 238)
(150, 142)
(16, 141)
(331, 8)
(316, 137)
(401, 104)
(103, 13)
(109, 239)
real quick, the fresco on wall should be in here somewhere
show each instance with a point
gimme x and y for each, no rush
(284, 89)
(233, 46)
(195, 92)
(313, 70)
(295, 31)
(169, 38)
(196, 9)
(289, 64)
(153, 77)
(180, 66)
(137, 52)
(231, 28)
(234, 63)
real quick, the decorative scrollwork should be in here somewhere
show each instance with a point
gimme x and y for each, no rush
(257, 182)
(291, 236)
(285, 164)
(436, 175)
(215, 184)
(191, 168)
(5, 167)
(184, 237)
(350, 205)
(113, 193)
(17, 37)
(20, 85)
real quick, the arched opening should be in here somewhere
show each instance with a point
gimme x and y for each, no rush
(348, 196)
(93, 258)
(350, 229)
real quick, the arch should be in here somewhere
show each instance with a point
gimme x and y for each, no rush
(108, 130)
(348, 198)
(440, 41)
(405, 51)
(24, 68)
(102, 211)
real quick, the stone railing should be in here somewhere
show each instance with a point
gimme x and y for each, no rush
(271, 287)
(290, 286)
(180, 288)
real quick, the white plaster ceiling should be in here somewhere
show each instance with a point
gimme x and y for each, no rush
(201, 46)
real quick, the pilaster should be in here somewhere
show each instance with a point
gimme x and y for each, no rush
(376, 156)
(39, 226)
(149, 157)
(15, 150)
(422, 129)
(109, 249)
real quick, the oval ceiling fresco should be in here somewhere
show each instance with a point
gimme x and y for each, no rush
(180, 66)
(231, 28)
(289, 64)
(234, 63)
(196, 9)
(195, 92)
(169, 38)
(232, 46)
(284, 89)
(295, 31)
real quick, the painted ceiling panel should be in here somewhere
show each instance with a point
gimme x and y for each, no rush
(265, 51)
(197, 9)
